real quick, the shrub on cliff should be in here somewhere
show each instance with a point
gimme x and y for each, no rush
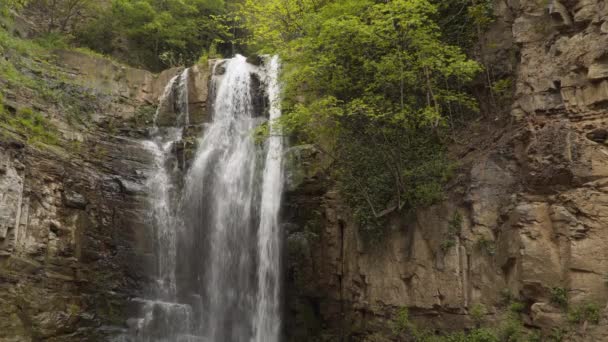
(372, 84)
(155, 34)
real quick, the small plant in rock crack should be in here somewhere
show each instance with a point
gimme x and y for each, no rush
(589, 312)
(478, 312)
(486, 246)
(454, 228)
(559, 296)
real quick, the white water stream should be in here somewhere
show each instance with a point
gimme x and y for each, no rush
(217, 237)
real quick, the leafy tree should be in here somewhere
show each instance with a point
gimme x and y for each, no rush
(156, 34)
(371, 84)
(7, 5)
(60, 16)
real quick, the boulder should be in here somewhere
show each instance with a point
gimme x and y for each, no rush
(75, 200)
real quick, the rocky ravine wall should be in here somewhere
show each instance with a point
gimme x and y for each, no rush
(74, 236)
(532, 191)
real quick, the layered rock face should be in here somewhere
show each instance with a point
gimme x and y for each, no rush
(525, 217)
(74, 236)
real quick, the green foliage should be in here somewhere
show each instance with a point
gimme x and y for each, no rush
(32, 125)
(535, 336)
(502, 91)
(144, 116)
(478, 312)
(475, 335)
(2, 110)
(401, 323)
(60, 16)
(16, 52)
(20, 46)
(52, 40)
(589, 312)
(157, 34)
(506, 296)
(454, 229)
(511, 330)
(370, 84)
(28, 68)
(486, 246)
(211, 54)
(402, 327)
(516, 308)
(462, 21)
(559, 296)
(274, 23)
(558, 334)
(7, 5)
(481, 13)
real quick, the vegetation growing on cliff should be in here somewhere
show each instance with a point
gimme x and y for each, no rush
(146, 33)
(509, 329)
(374, 85)
(30, 124)
(156, 34)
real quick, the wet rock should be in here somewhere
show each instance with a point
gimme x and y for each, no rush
(130, 187)
(73, 199)
(57, 228)
(560, 14)
(256, 60)
(220, 68)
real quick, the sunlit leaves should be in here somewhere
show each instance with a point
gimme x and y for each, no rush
(370, 83)
(158, 34)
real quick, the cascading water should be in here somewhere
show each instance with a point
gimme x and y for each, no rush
(218, 243)
(233, 196)
(267, 319)
(164, 319)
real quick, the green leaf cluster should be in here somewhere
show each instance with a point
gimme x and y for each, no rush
(559, 296)
(157, 34)
(30, 124)
(588, 312)
(7, 5)
(372, 84)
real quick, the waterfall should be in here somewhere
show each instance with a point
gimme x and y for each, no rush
(164, 317)
(217, 237)
(267, 319)
(222, 185)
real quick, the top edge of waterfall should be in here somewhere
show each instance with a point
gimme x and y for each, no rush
(266, 58)
(182, 76)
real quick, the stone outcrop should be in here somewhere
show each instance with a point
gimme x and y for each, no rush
(531, 192)
(74, 218)
(531, 196)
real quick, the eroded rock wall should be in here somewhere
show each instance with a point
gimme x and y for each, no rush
(531, 192)
(75, 236)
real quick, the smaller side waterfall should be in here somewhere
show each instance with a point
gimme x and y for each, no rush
(164, 318)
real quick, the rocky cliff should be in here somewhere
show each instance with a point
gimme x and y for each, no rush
(74, 237)
(524, 220)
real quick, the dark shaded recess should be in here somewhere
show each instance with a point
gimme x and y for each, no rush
(598, 135)
(260, 101)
